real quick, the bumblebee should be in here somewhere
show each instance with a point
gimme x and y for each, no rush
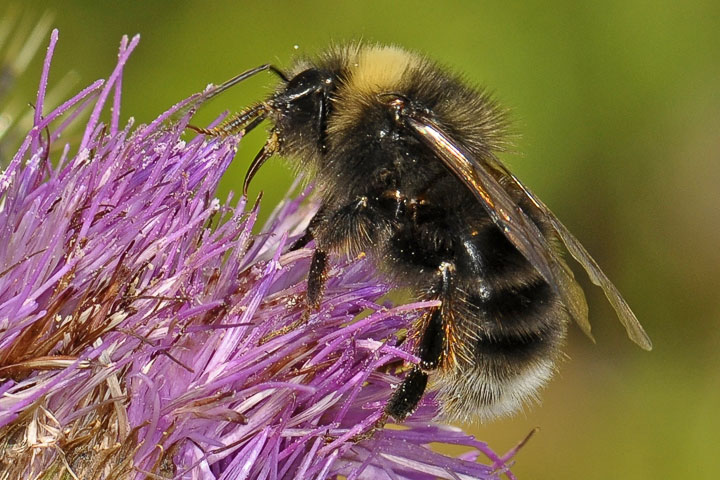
(403, 154)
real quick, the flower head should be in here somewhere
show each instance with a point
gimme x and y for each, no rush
(133, 307)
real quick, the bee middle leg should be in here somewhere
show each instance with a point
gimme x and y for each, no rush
(309, 233)
(433, 349)
(329, 230)
(317, 277)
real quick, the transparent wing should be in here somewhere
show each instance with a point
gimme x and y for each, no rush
(506, 214)
(634, 330)
(524, 234)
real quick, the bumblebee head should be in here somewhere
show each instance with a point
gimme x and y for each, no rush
(299, 110)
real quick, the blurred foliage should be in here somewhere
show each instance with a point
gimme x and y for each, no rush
(618, 106)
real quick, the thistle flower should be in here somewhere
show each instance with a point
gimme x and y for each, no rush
(22, 34)
(133, 305)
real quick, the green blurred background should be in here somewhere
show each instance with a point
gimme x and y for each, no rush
(618, 104)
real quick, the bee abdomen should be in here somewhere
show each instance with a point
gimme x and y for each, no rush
(515, 332)
(517, 322)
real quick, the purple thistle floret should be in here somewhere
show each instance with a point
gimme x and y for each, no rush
(133, 305)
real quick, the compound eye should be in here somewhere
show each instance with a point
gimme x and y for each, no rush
(305, 83)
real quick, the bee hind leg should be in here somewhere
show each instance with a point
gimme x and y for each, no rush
(407, 395)
(432, 350)
(409, 392)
